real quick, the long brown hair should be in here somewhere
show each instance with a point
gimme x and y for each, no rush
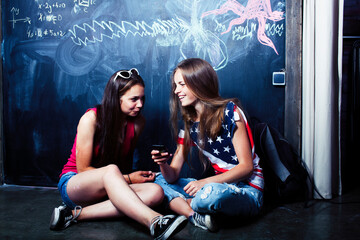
(201, 79)
(110, 119)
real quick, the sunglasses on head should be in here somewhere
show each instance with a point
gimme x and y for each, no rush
(125, 74)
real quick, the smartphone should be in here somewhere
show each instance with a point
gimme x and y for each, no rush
(161, 148)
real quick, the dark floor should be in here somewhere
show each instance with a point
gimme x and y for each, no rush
(25, 214)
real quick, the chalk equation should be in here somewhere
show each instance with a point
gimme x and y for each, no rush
(45, 14)
(50, 18)
(40, 32)
(50, 7)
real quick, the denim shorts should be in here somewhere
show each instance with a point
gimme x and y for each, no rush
(62, 189)
(174, 190)
(236, 199)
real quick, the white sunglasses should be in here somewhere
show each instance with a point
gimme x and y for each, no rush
(125, 74)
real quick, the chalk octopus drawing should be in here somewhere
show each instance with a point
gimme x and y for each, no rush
(255, 9)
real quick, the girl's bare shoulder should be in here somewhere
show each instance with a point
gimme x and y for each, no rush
(88, 119)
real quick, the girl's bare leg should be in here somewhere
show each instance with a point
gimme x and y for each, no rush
(181, 207)
(91, 187)
(150, 193)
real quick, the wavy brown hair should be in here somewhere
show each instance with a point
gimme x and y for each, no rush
(110, 119)
(201, 79)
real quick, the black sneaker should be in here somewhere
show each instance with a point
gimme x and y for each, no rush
(163, 227)
(62, 217)
(204, 221)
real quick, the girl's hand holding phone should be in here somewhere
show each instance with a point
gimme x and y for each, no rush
(160, 154)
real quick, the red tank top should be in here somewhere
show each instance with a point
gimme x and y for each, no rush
(70, 166)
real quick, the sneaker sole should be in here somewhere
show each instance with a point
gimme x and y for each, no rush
(54, 219)
(210, 223)
(179, 223)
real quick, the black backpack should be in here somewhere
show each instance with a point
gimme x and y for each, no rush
(284, 174)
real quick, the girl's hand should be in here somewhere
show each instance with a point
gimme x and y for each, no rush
(160, 158)
(193, 187)
(141, 176)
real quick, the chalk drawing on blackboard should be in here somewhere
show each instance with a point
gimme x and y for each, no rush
(16, 12)
(84, 34)
(203, 42)
(192, 38)
(199, 42)
(255, 9)
(50, 8)
(76, 60)
(196, 41)
(83, 5)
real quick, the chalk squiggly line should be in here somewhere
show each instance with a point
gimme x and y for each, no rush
(85, 33)
(255, 9)
(203, 43)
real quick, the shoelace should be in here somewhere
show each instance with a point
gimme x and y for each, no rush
(77, 211)
(158, 220)
(77, 214)
(198, 218)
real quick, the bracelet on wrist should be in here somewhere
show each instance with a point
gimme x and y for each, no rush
(129, 179)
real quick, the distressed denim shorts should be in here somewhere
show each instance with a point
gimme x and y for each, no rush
(62, 189)
(238, 199)
(174, 190)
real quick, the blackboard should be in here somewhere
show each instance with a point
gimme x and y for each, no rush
(59, 54)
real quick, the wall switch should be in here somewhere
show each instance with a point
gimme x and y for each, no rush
(278, 79)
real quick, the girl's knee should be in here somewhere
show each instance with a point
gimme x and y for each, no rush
(112, 168)
(157, 191)
(154, 195)
(110, 171)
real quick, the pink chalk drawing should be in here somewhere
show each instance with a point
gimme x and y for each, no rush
(255, 9)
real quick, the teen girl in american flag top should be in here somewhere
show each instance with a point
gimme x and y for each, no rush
(219, 128)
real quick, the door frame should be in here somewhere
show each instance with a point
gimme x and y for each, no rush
(1, 110)
(293, 76)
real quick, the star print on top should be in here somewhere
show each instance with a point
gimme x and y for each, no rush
(220, 151)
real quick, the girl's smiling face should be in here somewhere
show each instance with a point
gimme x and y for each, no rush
(184, 94)
(132, 101)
